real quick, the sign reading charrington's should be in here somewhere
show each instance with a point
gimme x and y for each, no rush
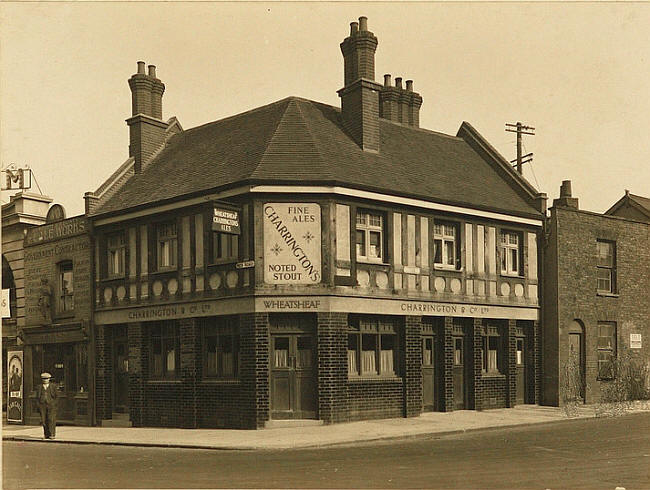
(292, 243)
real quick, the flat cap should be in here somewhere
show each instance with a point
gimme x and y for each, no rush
(46, 375)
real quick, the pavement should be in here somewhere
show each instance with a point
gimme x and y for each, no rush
(289, 435)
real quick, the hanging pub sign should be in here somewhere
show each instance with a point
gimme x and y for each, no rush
(292, 243)
(225, 220)
(15, 384)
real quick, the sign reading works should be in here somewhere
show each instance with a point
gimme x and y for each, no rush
(292, 243)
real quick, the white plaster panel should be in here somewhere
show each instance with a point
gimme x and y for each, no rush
(342, 232)
(397, 239)
(532, 255)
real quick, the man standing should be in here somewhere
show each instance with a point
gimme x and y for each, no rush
(46, 396)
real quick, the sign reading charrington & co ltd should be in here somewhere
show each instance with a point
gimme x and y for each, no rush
(292, 243)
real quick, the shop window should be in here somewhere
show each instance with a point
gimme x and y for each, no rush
(65, 288)
(373, 347)
(446, 240)
(606, 266)
(221, 348)
(370, 236)
(510, 248)
(67, 362)
(167, 245)
(458, 352)
(115, 254)
(606, 350)
(164, 360)
(225, 247)
(492, 351)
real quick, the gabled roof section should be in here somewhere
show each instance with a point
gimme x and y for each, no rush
(631, 206)
(296, 141)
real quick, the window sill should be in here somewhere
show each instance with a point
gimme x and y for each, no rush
(114, 277)
(164, 381)
(439, 267)
(64, 316)
(364, 260)
(512, 275)
(224, 262)
(376, 378)
(492, 375)
(224, 381)
(606, 294)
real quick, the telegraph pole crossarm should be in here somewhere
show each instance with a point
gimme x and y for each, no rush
(520, 129)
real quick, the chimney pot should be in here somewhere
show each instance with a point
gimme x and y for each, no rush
(565, 189)
(152, 71)
(354, 28)
(409, 85)
(363, 24)
(398, 82)
(387, 80)
(141, 67)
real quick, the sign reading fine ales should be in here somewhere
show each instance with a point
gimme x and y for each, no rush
(15, 384)
(292, 243)
(225, 221)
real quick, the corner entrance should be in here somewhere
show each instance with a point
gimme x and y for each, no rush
(293, 367)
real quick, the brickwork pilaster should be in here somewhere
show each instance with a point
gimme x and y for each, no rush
(332, 367)
(412, 366)
(189, 370)
(511, 360)
(103, 373)
(477, 338)
(447, 391)
(138, 365)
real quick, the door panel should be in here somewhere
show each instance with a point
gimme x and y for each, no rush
(459, 373)
(521, 372)
(428, 373)
(121, 372)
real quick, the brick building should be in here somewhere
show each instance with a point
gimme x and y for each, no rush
(57, 336)
(597, 278)
(304, 261)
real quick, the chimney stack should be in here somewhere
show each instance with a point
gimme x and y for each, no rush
(566, 200)
(146, 127)
(400, 104)
(360, 93)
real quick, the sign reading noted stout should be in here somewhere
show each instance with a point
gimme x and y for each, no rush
(225, 221)
(292, 243)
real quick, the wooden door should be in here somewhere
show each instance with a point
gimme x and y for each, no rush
(459, 373)
(520, 362)
(293, 381)
(429, 388)
(576, 367)
(121, 375)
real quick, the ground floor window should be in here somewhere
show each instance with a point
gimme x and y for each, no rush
(606, 349)
(221, 347)
(165, 349)
(493, 352)
(373, 346)
(66, 362)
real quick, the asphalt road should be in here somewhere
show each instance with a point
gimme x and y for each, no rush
(587, 453)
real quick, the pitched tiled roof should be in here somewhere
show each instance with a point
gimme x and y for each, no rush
(300, 141)
(641, 201)
(640, 204)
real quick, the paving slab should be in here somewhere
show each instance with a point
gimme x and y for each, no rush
(309, 436)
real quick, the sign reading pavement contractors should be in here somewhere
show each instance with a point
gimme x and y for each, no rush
(225, 221)
(292, 243)
(635, 341)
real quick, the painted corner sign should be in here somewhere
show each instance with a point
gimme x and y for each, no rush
(15, 385)
(292, 243)
(225, 221)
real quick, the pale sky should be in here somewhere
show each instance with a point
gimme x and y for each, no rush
(578, 72)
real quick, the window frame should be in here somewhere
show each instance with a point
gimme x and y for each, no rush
(119, 249)
(610, 350)
(445, 238)
(63, 295)
(505, 249)
(611, 268)
(168, 332)
(379, 331)
(172, 240)
(233, 241)
(220, 328)
(492, 335)
(367, 229)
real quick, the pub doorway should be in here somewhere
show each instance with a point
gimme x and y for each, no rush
(293, 367)
(432, 367)
(120, 370)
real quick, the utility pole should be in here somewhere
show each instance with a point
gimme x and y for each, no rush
(520, 129)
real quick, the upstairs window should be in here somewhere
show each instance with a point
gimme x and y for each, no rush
(606, 266)
(606, 349)
(510, 248)
(167, 245)
(447, 245)
(65, 287)
(370, 236)
(116, 254)
(225, 247)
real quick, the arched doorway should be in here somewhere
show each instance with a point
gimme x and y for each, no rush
(575, 366)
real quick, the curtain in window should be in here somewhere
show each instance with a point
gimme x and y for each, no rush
(281, 358)
(352, 362)
(368, 362)
(386, 361)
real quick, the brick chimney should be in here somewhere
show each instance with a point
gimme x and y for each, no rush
(400, 104)
(146, 127)
(360, 93)
(565, 199)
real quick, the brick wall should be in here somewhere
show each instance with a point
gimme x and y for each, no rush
(104, 373)
(138, 367)
(412, 368)
(375, 398)
(447, 390)
(332, 367)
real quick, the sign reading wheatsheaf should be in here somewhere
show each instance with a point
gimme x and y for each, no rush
(225, 221)
(292, 243)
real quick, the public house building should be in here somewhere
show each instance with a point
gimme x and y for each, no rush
(304, 261)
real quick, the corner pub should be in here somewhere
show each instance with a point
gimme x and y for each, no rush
(304, 261)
